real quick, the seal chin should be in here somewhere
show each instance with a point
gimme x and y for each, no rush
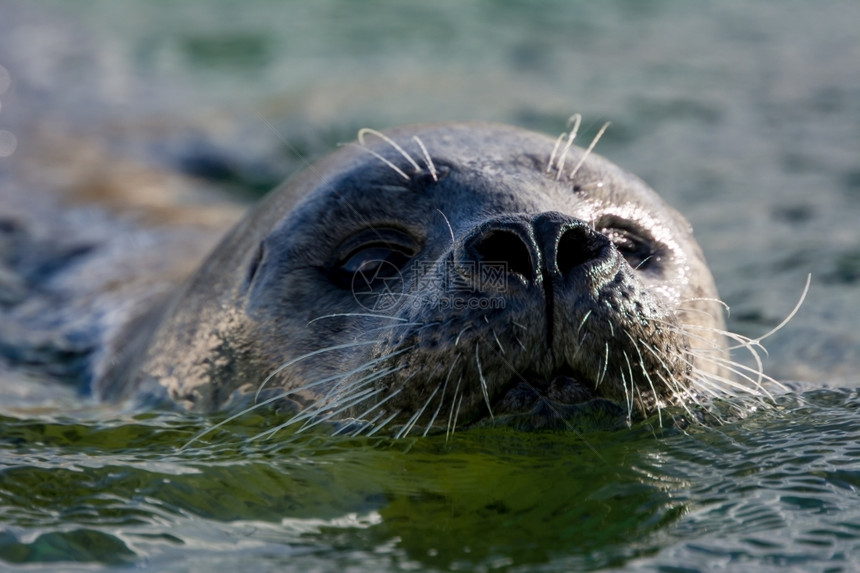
(526, 393)
(562, 401)
(559, 403)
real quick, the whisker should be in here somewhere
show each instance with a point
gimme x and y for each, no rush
(723, 304)
(645, 260)
(449, 430)
(307, 415)
(589, 150)
(632, 385)
(428, 325)
(582, 323)
(558, 141)
(461, 333)
(447, 222)
(441, 396)
(581, 337)
(289, 363)
(678, 391)
(737, 368)
(791, 315)
(483, 383)
(356, 398)
(344, 375)
(427, 158)
(745, 343)
(456, 415)
(721, 387)
(605, 366)
(407, 427)
(394, 326)
(404, 431)
(275, 398)
(244, 411)
(314, 410)
(628, 398)
(384, 423)
(379, 405)
(520, 342)
(496, 338)
(648, 378)
(361, 426)
(352, 387)
(356, 315)
(576, 119)
(364, 131)
(383, 159)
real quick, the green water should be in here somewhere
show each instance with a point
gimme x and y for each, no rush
(743, 115)
(773, 490)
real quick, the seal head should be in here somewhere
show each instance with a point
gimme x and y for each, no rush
(445, 274)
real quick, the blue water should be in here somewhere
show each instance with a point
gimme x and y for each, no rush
(744, 116)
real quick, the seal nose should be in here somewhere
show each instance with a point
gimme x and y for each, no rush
(530, 250)
(568, 243)
(502, 247)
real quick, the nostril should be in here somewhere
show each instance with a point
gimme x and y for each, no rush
(575, 248)
(506, 247)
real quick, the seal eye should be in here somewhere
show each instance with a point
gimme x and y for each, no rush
(636, 250)
(375, 256)
(373, 260)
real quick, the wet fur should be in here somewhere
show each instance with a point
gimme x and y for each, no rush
(261, 319)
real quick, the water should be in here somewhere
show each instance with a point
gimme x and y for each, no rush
(746, 117)
(777, 489)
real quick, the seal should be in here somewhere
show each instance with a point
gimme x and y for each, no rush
(437, 275)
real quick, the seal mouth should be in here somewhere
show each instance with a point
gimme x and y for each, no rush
(523, 393)
(563, 400)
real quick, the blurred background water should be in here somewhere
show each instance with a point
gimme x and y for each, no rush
(744, 116)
